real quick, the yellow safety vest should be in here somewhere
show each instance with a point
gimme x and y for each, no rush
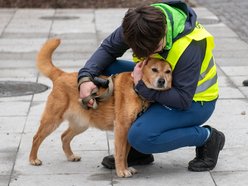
(207, 87)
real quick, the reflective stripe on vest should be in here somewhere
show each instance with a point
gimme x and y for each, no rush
(210, 65)
(207, 83)
(204, 86)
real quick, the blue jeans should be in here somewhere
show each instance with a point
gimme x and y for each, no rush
(162, 129)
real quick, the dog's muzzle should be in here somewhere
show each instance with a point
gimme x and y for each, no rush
(161, 83)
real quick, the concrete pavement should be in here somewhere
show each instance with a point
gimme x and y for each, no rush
(23, 31)
(233, 13)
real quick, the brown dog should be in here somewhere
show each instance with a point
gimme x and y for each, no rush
(118, 112)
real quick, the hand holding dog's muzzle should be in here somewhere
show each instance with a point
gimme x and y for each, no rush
(91, 101)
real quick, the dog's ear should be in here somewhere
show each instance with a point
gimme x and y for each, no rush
(146, 61)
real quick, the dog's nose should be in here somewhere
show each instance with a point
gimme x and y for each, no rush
(161, 82)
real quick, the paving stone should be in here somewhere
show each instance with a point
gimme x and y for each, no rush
(227, 178)
(54, 162)
(4, 180)
(230, 92)
(236, 70)
(30, 79)
(28, 21)
(168, 178)
(18, 55)
(90, 140)
(40, 97)
(220, 30)
(72, 55)
(17, 63)
(165, 168)
(12, 124)
(103, 16)
(238, 80)
(77, 45)
(21, 45)
(9, 109)
(62, 63)
(7, 159)
(231, 107)
(5, 17)
(36, 108)
(230, 121)
(239, 61)
(231, 53)
(77, 21)
(203, 12)
(229, 163)
(221, 9)
(8, 149)
(224, 82)
(18, 73)
(234, 136)
(16, 99)
(244, 90)
(228, 44)
(66, 36)
(75, 179)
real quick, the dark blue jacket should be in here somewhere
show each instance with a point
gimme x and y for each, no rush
(185, 74)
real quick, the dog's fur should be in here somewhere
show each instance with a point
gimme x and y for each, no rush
(118, 112)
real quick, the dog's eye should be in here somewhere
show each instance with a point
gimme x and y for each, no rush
(154, 70)
(168, 71)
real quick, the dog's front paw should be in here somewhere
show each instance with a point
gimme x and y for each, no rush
(36, 162)
(130, 171)
(74, 158)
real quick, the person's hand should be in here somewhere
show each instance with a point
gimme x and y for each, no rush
(137, 72)
(85, 90)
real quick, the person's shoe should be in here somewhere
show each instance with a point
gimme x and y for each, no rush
(245, 82)
(207, 155)
(134, 158)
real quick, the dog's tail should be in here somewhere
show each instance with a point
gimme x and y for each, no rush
(44, 59)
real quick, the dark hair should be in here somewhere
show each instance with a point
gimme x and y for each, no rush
(143, 29)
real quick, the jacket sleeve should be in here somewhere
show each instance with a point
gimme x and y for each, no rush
(185, 78)
(111, 48)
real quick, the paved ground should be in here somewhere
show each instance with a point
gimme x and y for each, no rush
(22, 33)
(233, 13)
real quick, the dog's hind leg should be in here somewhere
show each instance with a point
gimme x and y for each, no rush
(47, 126)
(51, 119)
(66, 138)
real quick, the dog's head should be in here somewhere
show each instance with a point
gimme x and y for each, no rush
(157, 74)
